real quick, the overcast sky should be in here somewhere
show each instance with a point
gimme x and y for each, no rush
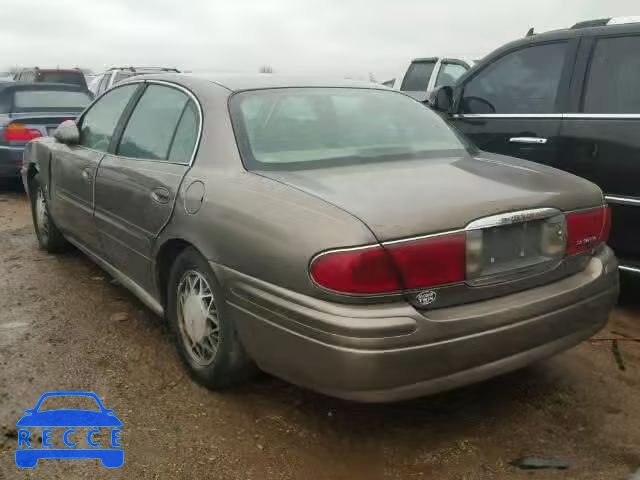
(335, 37)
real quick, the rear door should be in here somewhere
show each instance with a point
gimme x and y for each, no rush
(73, 168)
(602, 132)
(513, 105)
(137, 184)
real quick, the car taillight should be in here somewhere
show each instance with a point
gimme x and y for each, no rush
(430, 261)
(587, 229)
(357, 271)
(396, 266)
(17, 132)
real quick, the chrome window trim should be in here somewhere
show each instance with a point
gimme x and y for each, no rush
(622, 200)
(190, 95)
(158, 82)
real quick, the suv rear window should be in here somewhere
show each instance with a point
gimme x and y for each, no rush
(417, 77)
(72, 78)
(295, 128)
(46, 100)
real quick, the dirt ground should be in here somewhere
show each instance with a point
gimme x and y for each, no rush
(65, 326)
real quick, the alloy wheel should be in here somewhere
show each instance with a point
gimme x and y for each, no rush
(198, 317)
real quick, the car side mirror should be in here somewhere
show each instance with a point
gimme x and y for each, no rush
(67, 133)
(442, 99)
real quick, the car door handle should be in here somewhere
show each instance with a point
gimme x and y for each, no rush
(160, 195)
(87, 174)
(528, 140)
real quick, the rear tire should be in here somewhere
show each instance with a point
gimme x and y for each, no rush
(50, 238)
(202, 328)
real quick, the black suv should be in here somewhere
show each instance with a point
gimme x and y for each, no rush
(569, 99)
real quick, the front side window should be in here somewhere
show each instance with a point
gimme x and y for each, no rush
(99, 123)
(152, 124)
(295, 128)
(612, 82)
(417, 77)
(449, 73)
(524, 81)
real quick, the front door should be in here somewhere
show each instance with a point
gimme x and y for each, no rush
(513, 105)
(601, 136)
(74, 168)
(136, 187)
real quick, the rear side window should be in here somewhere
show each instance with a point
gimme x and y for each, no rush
(152, 124)
(45, 100)
(612, 82)
(186, 135)
(524, 81)
(417, 77)
(121, 75)
(449, 74)
(99, 123)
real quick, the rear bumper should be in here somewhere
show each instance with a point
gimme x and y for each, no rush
(10, 161)
(394, 352)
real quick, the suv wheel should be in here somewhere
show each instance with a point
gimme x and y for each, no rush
(203, 331)
(50, 238)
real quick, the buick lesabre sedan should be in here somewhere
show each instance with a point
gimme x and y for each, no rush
(338, 235)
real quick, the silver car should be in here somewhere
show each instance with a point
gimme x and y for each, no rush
(338, 235)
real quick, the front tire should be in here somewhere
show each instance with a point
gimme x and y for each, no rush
(50, 238)
(203, 331)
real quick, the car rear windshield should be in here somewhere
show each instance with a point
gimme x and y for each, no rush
(50, 100)
(73, 78)
(295, 128)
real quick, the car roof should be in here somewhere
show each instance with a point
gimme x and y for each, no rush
(259, 81)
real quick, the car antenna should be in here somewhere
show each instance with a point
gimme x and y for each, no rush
(530, 33)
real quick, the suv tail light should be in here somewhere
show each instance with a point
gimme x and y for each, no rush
(396, 266)
(587, 229)
(17, 132)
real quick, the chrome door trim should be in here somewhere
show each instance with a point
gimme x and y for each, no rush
(627, 268)
(622, 200)
(528, 140)
(619, 116)
(508, 115)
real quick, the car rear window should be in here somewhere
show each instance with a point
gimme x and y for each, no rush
(47, 100)
(73, 78)
(293, 128)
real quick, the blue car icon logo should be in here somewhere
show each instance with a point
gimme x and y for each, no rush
(29, 452)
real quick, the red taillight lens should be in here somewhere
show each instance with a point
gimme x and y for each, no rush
(17, 132)
(394, 267)
(586, 230)
(430, 261)
(358, 271)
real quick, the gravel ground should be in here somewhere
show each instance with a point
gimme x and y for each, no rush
(65, 326)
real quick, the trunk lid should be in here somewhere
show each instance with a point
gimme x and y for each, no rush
(400, 199)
